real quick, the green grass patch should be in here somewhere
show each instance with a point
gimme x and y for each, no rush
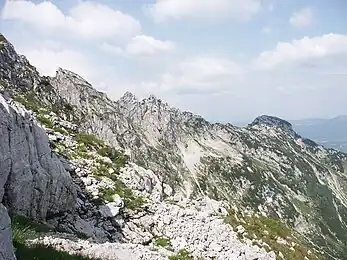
(89, 140)
(41, 252)
(24, 229)
(61, 130)
(107, 194)
(183, 254)
(44, 120)
(116, 157)
(29, 101)
(269, 230)
(102, 170)
(131, 201)
(163, 242)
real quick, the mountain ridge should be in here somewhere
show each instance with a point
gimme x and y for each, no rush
(265, 168)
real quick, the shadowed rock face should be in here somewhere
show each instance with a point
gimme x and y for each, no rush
(33, 182)
(15, 69)
(6, 249)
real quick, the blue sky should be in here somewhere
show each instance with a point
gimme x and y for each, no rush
(228, 60)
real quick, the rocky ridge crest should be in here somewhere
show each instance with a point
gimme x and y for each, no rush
(281, 188)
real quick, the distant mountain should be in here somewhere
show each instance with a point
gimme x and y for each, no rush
(328, 132)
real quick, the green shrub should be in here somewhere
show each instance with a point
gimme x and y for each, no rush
(107, 194)
(135, 203)
(89, 140)
(44, 120)
(269, 230)
(131, 201)
(183, 254)
(118, 159)
(163, 242)
(61, 130)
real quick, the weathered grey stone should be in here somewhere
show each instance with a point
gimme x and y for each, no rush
(83, 227)
(112, 209)
(37, 183)
(33, 181)
(6, 248)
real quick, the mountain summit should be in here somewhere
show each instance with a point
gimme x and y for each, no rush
(273, 121)
(211, 190)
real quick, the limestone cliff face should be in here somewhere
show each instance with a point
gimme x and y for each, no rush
(33, 182)
(6, 249)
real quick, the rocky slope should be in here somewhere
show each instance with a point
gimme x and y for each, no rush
(281, 192)
(112, 205)
(266, 166)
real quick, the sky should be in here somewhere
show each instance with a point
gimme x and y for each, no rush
(227, 60)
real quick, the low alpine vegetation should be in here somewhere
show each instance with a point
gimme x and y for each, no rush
(23, 230)
(271, 234)
(183, 254)
(163, 242)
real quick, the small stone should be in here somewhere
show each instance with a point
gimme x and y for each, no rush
(240, 229)
(215, 247)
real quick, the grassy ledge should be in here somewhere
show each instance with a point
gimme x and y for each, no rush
(24, 229)
(272, 235)
(183, 254)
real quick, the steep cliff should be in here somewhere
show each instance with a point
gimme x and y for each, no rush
(33, 181)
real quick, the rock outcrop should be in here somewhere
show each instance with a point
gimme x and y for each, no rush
(37, 185)
(33, 181)
(6, 247)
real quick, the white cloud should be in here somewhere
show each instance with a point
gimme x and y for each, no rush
(141, 45)
(205, 67)
(47, 61)
(113, 49)
(201, 74)
(213, 86)
(86, 19)
(302, 18)
(303, 49)
(204, 9)
(147, 45)
(100, 75)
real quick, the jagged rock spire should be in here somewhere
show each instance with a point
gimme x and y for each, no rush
(129, 96)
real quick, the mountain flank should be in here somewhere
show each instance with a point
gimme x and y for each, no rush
(93, 178)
